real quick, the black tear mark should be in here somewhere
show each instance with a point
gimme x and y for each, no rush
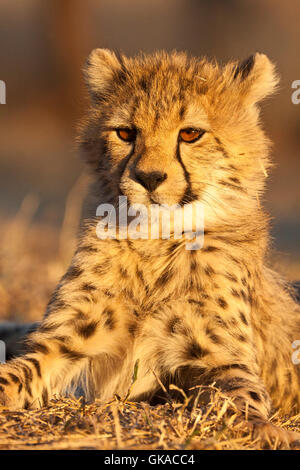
(188, 195)
(122, 167)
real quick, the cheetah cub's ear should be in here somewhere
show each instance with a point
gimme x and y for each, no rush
(101, 67)
(255, 78)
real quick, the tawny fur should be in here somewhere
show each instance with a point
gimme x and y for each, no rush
(216, 315)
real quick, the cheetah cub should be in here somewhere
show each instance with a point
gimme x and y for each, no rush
(166, 129)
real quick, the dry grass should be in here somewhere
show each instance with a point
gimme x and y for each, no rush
(72, 424)
(33, 257)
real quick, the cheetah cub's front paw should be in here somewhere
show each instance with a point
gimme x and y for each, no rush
(271, 434)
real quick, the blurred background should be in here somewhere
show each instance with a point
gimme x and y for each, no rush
(43, 47)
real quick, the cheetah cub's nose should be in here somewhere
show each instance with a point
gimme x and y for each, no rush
(150, 180)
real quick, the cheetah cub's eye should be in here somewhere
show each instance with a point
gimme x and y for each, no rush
(190, 135)
(126, 134)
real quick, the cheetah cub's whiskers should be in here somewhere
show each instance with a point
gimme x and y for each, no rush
(169, 129)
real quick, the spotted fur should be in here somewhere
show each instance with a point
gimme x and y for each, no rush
(217, 315)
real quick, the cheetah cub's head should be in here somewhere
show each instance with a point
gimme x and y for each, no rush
(169, 129)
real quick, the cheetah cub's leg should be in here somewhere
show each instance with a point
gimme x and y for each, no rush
(82, 324)
(201, 342)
